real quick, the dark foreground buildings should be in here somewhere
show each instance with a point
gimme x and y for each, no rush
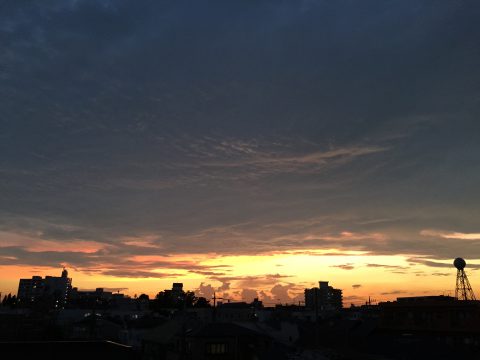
(177, 325)
(67, 350)
(438, 327)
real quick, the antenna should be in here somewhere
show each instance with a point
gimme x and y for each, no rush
(463, 290)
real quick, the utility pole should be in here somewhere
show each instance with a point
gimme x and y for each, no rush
(214, 317)
(316, 316)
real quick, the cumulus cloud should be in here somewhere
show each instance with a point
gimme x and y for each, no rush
(266, 298)
(205, 290)
(250, 280)
(224, 287)
(249, 294)
(280, 292)
(287, 293)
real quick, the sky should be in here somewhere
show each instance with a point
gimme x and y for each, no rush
(247, 148)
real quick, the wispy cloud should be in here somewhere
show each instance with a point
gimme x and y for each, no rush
(438, 264)
(451, 234)
(344, 266)
(126, 273)
(394, 292)
(384, 266)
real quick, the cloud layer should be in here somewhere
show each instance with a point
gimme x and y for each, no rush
(226, 128)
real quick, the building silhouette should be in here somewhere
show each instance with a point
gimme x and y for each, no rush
(323, 298)
(51, 291)
(177, 292)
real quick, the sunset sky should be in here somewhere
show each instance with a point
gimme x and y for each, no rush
(250, 148)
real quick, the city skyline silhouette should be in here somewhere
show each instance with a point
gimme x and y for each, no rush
(251, 151)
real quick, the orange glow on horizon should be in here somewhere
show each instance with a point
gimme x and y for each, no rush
(358, 274)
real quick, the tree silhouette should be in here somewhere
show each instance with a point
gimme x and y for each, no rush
(190, 299)
(9, 300)
(143, 297)
(202, 302)
(164, 300)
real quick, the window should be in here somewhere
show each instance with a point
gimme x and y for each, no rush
(216, 348)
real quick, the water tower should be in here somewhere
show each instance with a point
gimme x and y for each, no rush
(463, 291)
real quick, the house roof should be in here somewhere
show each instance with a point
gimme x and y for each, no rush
(225, 330)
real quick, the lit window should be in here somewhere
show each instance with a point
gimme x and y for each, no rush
(216, 348)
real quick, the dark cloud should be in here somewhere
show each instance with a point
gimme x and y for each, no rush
(208, 273)
(215, 127)
(394, 292)
(437, 264)
(393, 267)
(344, 266)
(441, 274)
(138, 274)
(356, 286)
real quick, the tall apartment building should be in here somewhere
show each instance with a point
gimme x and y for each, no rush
(323, 298)
(51, 290)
